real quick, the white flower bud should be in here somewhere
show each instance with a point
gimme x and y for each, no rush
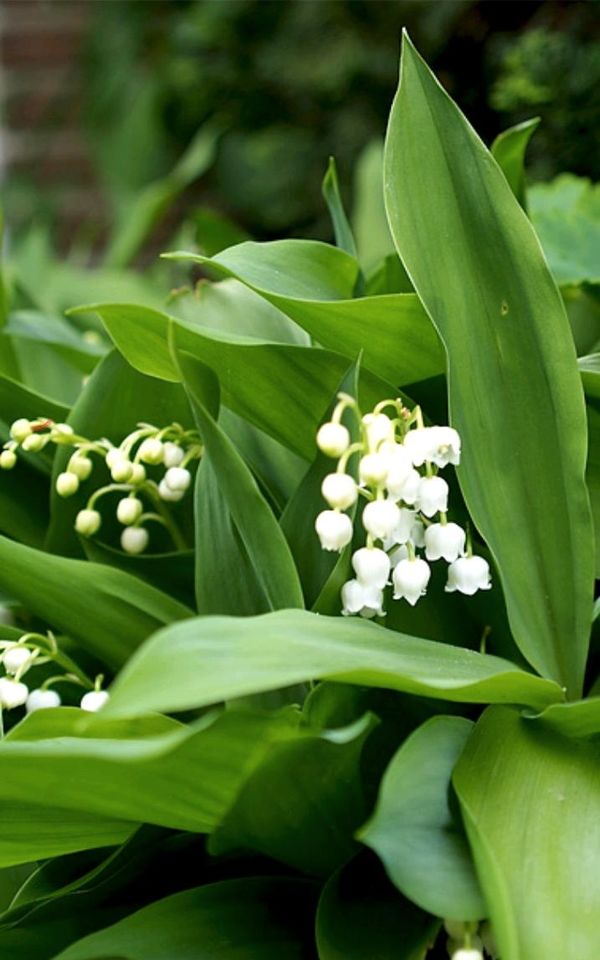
(20, 429)
(94, 700)
(410, 489)
(378, 428)
(81, 466)
(445, 447)
(15, 657)
(467, 953)
(63, 429)
(373, 468)
(34, 443)
(357, 598)
(114, 454)
(165, 493)
(399, 468)
(371, 566)
(151, 450)
(420, 444)
(87, 522)
(468, 575)
(333, 439)
(42, 700)
(173, 454)
(8, 459)
(402, 531)
(12, 693)
(134, 539)
(410, 579)
(178, 479)
(432, 495)
(138, 474)
(129, 510)
(334, 529)
(339, 490)
(121, 469)
(67, 484)
(445, 540)
(380, 518)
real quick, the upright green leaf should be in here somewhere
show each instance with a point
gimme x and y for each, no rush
(508, 149)
(531, 804)
(515, 393)
(341, 227)
(210, 659)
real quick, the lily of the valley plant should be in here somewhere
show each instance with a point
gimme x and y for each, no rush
(297, 581)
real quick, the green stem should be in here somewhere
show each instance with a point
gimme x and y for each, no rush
(178, 538)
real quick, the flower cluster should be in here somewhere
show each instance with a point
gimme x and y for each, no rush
(399, 461)
(32, 650)
(131, 465)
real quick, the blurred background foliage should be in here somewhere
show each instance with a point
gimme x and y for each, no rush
(260, 93)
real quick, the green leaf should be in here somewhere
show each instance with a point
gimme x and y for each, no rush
(108, 611)
(369, 220)
(341, 226)
(361, 915)
(593, 472)
(106, 778)
(508, 150)
(319, 803)
(514, 388)
(27, 325)
(566, 217)
(261, 535)
(257, 918)
(406, 348)
(581, 718)
(589, 367)
(531, 805)
(414, 829)
(210, 659)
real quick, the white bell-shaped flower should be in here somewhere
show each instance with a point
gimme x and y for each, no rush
(94, 700)
(445, 540)
(339, 490)
(170, 496)
(129, 510)
(399, 468)
(403, 529)
(333, 439)
(468, 575)
(373, 469)
(134, 539)
(371, 566)
(178, 478)
(410, 488)
(397, 554)
(12, 693)
(87, 522)
(417, 534)
(420, 444)
(42, 700)
(67, 484)
(173, 454)
(467, 953)
(446, 446)
(358, 598)
(432, 495)
(334, 529)
(410, 579)
(379, 429)
(380, 518)
(15, 658)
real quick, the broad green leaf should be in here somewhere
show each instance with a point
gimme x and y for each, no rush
(508, 150)
(414, 829)
(341, 226)
(171, 572)
(209, 659)
(287, 394)
(589, 368)
(27, 325)
(369, 220)
(302, 804)
(185, 778)
(108, 611)
(24, 505)
(514, 389)
(406, 348)
(593, 471)
(255, 522)
(531, 804)
(581, 718)
(257, 918)
(566, 217)
(362, 915)
(17, 400)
